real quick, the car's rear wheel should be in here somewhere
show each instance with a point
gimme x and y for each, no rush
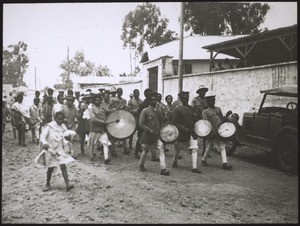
(286, 149)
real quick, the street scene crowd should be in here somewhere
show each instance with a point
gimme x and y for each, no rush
(56, 122)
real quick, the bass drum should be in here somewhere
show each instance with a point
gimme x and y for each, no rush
(120, 124)
(169, 133)
(202, 128)
(226, 130)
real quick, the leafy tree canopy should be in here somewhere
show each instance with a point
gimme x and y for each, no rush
(78, 65)
(145, 26)
(216, 18)
(14, 64)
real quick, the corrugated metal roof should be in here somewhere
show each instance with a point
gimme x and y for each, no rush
(269, 47)
(253, 37)
(192, 48)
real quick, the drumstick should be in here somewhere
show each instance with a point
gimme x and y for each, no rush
(118, 120)
(224, 131)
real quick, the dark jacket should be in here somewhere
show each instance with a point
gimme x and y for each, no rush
(149, 120)
(183, 118)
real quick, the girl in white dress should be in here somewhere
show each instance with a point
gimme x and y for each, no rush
(53, 143)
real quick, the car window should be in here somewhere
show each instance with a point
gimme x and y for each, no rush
(278, 101)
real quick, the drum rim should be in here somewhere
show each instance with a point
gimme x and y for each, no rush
(230, 123)
(135, 127)
(209, 131)
(169, 142)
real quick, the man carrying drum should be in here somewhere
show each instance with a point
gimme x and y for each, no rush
(133, 107)
(98, 130)
(199, 104)
(149, 121)
(183, 119)
(119, 102)
(214, 115)
(142, 106)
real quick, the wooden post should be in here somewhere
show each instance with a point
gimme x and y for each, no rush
(35, 77)
(180, 73)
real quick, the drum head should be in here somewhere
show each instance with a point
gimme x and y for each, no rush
(226, 129)
(202, 128)
(169, 133)
(122, 129)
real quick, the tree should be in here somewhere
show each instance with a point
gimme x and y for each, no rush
(78, 65)
(145, 26)
(216, 18)
(103, 71)
(14, 64)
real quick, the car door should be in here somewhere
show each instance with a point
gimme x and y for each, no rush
(261, 124)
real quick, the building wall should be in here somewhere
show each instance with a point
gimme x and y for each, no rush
(237, 89)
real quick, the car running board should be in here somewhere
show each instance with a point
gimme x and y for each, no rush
(247, 142)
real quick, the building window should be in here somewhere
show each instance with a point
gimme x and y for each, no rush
(187, 68)
(175, 67)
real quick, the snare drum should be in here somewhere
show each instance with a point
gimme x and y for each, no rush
(169, 133)
(226, 130)
(202, 128)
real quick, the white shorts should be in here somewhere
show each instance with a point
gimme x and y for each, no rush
(101, 137)
(190, 145)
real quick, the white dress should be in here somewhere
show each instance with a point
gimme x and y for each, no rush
(53, 135)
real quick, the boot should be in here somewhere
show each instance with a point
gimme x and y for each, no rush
(106, 161)
(143, 169)
(196, 170)
(204, 163)
(165, 172)
(226, 166)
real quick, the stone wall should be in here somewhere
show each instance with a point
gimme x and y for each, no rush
(236, 89)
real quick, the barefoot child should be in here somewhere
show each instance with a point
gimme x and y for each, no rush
(52, 141)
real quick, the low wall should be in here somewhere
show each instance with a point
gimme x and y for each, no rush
(236, 89)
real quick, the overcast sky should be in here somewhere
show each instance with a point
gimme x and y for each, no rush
(94, 28)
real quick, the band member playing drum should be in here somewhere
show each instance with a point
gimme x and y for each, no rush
(150, 123)
(214, 115)
(119, 103)
(183, 119)
(133, 107)
(98, 130)
(142, 106)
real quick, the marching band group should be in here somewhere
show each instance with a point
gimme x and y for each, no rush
(54, 122)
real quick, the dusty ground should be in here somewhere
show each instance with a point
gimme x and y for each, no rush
(253, 192)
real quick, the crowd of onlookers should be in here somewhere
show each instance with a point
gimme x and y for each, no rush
(227, 64)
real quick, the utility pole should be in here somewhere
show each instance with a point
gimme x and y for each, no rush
(35, 77)
(68, 72)
(130, 63)
(180, 66)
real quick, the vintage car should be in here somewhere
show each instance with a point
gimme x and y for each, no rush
(273, 128)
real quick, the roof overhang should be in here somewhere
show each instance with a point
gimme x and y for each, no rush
(274, 46)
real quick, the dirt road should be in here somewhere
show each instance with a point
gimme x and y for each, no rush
(253, 192)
